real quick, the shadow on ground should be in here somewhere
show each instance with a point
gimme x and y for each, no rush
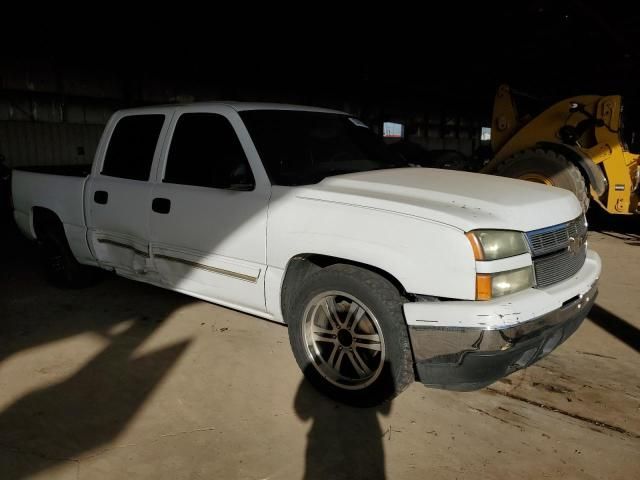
(626, 227)
(59, 422)
(343, 442)
(89, 408)
(616, 326)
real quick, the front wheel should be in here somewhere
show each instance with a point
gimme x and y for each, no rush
(349, 337)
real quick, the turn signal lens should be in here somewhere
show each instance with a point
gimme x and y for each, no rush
(475, 246)
(483, 287)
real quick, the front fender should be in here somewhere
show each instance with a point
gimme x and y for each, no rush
(426, 257)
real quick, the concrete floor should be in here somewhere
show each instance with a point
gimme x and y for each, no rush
(124, 380)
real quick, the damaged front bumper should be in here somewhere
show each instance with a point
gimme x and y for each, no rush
(456, 356)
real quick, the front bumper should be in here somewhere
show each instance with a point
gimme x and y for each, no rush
(469, 356)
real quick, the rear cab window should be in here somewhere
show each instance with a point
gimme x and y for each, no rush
(132, 147)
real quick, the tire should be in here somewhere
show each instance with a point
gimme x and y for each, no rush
(551, 168)
(365, 358)
(60, 266)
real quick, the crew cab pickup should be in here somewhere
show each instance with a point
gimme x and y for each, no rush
(383, 273)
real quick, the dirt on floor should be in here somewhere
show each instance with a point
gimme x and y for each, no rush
(125, 380)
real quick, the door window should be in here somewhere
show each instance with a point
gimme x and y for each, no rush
(132, 146)
(206, 152)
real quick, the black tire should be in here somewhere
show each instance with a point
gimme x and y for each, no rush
(553, 166)
(60, 266)
(380, 298)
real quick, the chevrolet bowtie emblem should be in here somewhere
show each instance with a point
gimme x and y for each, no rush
(575, 244)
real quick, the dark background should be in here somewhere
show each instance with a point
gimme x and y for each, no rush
(433, 68)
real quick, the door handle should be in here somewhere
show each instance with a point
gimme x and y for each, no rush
(161, 205)
(101, 197)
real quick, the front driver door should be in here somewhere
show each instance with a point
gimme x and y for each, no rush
(209, 212)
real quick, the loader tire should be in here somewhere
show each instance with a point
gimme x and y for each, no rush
(549, 168)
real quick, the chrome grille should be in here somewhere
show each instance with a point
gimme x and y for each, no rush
(555, 238)
(553, 261)
(559, 266)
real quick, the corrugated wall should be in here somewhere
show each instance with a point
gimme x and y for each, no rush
(50, 119)
(43, 129)
(42, 143)
(452, 132)
(438, 128)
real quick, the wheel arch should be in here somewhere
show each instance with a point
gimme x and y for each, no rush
(43, 220)
(302, 265)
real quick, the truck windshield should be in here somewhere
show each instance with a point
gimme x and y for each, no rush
(301, 148)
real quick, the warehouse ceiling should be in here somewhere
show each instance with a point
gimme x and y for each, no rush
(455, 55)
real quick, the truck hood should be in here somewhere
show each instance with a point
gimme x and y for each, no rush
(460, 199)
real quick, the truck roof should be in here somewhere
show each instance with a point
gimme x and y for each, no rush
(240, 106)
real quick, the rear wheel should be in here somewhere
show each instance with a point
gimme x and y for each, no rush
(349, 337)
(548, 168)
(60, 266)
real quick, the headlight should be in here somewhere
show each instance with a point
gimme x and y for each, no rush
(492, 285)
(496, 244)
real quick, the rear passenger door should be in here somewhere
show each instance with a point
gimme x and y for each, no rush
(118, 194)
(209, 213)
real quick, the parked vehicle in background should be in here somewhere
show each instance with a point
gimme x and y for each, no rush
(301, 215)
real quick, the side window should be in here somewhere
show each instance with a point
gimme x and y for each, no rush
(131, 147)
(205, 152)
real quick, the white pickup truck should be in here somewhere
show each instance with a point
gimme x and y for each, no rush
(301, 215)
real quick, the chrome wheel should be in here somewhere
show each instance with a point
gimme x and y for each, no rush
(343, 340)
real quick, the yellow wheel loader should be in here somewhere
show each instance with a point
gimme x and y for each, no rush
(580, 144)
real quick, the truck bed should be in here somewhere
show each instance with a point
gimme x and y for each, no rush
(60, 194)
(64, 170)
